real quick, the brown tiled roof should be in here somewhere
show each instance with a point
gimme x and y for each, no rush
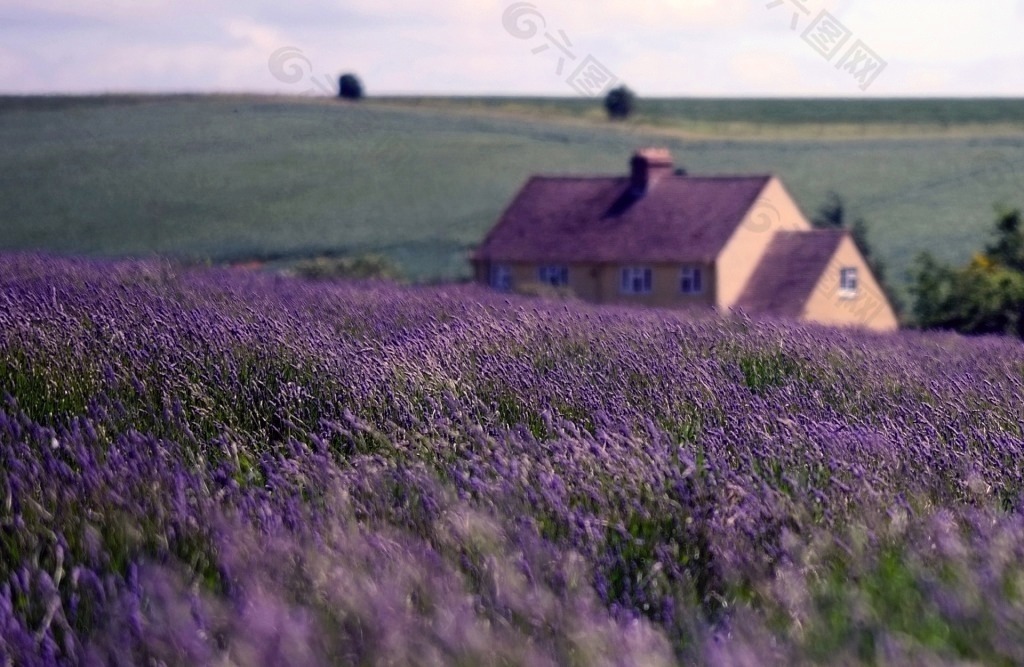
(790, 268)
(601, 219)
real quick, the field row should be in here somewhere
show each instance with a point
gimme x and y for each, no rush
(207, 466)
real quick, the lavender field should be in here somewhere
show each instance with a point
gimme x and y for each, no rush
(214, 467)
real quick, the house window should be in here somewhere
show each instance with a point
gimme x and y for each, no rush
(636, 280)
(501, 277)
(554, 275)
(690, 280)
(848, 282)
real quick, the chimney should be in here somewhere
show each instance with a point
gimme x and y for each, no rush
(648, 166)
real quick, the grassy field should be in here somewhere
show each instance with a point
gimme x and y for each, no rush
(766, 118)
(421, 180)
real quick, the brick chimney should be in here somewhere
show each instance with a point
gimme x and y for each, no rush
(648, 166)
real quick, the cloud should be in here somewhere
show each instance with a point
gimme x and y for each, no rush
(663, 47)
(939, 31)
(990, 76)
(35, 18)
(762, 72)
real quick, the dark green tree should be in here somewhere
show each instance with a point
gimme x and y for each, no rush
(986, 296)
(619, 102)
(831, 214)
(1008, 247)
(349, 87)
(932, 289)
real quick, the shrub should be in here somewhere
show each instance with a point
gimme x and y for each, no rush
(619, 102)
(357, 267)
(349, 87)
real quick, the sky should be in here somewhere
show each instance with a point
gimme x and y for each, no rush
(747, 48)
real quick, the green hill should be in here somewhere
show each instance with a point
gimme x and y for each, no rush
(236, 177)
(768, 117)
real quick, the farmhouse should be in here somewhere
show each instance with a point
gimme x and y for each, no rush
(661, 237)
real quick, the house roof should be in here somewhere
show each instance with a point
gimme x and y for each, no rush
(604, 219)
(788, 271)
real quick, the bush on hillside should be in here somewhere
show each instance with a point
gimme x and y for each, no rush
(985, 296)
(356, 267)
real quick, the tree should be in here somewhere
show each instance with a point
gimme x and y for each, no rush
(986, 296)
(1008, 248)
(619, 102)
(831, 214)
(349, 87)
(932, 289)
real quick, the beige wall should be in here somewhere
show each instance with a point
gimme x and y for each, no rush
(600, 283)
(869, 308)
(664, 287)
(774, 210)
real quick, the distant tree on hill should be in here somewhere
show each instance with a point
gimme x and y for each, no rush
(349, 87)
(832, 215)
(986, 296)
(1008, 248)
(619, 102)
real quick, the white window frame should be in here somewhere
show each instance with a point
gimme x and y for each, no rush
(556, 275)
(501, 277)
(695, 276)
(636, 280)
(849, 282)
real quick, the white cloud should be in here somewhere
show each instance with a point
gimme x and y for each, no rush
(938, 31)
(760, 71)
(662, 47)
